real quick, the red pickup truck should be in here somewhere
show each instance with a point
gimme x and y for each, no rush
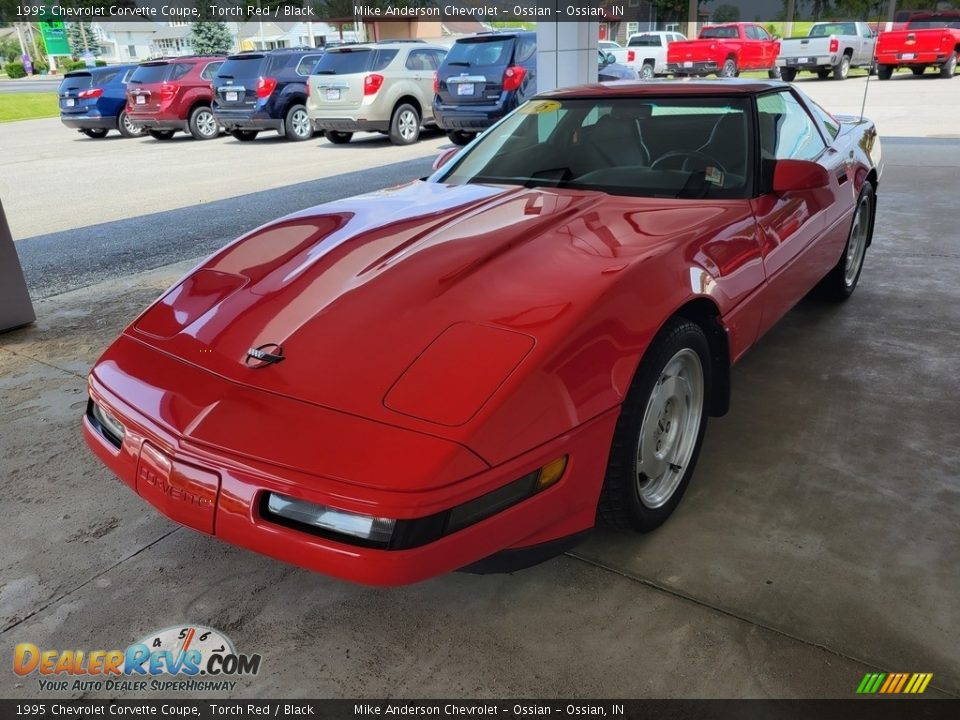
(725, 50)
(929, 39)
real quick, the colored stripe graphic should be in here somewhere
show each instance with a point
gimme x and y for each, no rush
(894, 683)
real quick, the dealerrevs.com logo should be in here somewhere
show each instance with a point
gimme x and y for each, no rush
(197, 658)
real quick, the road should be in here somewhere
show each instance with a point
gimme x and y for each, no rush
(30, 85)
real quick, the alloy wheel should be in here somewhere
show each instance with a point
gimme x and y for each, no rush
(857, 244)
(408, 124)
(301, 123)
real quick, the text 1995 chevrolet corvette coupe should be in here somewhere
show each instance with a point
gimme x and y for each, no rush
(467, 371)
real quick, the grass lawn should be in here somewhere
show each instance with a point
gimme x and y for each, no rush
(28, 106)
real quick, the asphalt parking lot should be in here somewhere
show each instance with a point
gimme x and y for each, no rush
(817, 542)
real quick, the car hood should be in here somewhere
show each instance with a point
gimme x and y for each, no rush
(410, 304)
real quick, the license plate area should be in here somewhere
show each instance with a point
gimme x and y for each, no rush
(688, 63)
(231, 96)
(803, 60)
(333, 93)
(908, 56)
(71, 102)
(182, 492)
(141, 100)
(465, 89)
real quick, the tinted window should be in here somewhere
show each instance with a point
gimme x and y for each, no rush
(150, 73)
(646, 41)
(210, 70)
(716, 33)
(241, 68)
(421, 60)
(106, 77)
(935, 22)
(76, 81)
(787, 132)
(829, 121)
(482, 53)
(344, 62)
(307, 64)
(383, 58)
(526, 48)
(179, 70)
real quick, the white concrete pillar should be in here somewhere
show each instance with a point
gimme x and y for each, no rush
(566, 54)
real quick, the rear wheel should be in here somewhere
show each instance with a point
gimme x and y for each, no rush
(729, 68)
(127, 128)
(918, 70)
(658, 435)
(297, 126)
(884, 72)
(948, 68)
(788, 74)
(823, 74)
(245, 135)
(203, 125)
(842, 68)
(459, 137)
(338, 138)
(774, 73)
(161, 134)
(840, 282)
(405, 125)
(646, 71)
(95, 133)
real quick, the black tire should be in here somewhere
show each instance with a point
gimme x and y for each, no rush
(788, 74)
(404, 125)
(338, 138)
(949, 67)
(729, 68)
(126, 128)
(245, 135)
(95, 133)
(918, 71)
(622, 504)
(775, 73)
(884, 72)
(838, 283)
(872, 70)
(296, 125)
(459, 137)
(161, 134)
(823, 74)
(646, 71)
(842, 68)
(202, 123)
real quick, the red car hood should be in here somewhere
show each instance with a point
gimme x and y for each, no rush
(355, 291)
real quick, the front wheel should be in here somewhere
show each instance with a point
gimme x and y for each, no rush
(95, 133)
(244, 135)
(202, 124)
(405, 125)
(338, 138)
(297, 126)
(788, 74)
(161, 134)
(658, 435)
(949, 67)
(775, 73)
(884, 72)
(127, 128)
(459, 137)
(840, 282)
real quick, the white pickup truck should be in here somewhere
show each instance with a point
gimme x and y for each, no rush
(646, 52)
(829, 48)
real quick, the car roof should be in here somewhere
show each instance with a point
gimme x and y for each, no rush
(498, 35)
(386, 45)
(634, 88)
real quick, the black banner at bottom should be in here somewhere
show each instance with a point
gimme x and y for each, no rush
(853, 709)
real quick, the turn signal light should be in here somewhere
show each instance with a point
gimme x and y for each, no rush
(512, 77)
(266, 86)
(834, 44)
(91, 93)
(372, 84)
(551, 472)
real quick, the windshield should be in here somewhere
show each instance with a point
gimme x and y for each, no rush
(150, 73)
(648, 147)
(480, 54)
(713, 33)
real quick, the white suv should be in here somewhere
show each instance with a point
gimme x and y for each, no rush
(384, 87)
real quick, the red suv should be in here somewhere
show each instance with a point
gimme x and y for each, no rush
(164, 96)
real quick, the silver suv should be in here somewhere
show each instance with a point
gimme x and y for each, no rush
(383, 87)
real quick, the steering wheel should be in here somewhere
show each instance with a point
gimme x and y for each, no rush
(688, 155)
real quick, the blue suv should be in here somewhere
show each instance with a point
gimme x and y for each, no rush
(94, 101)
(484, 77)
(267, 90)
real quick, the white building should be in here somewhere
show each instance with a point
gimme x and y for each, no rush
(122, 42)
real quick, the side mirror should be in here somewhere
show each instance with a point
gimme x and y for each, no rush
(794, 175)
(444, 157)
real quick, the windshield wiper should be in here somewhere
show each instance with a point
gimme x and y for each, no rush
(461, 63)
(325, 72)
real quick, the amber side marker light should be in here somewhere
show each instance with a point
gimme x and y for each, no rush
(551, 472)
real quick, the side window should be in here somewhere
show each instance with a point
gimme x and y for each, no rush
(787, 132)
(106, 78)
(383, 58)
(526, 47)
(210, 70)
(438, 56)
(306, 64)
(751, 32)
(761, 33)
(126, 75)
(420, 60)
(828, 120)
(179, 70)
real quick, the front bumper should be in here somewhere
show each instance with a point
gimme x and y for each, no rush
(220, 492)
(701, 67)
(246, 120)
(89, 122)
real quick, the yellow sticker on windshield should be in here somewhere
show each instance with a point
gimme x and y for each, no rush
(541, 106)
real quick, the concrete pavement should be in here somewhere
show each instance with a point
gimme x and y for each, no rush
(817, 542)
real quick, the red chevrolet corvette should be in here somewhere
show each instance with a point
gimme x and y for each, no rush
(468, 370)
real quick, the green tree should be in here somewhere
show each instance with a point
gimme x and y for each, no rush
(9, 50)
(726, 13)
(82, 38)
(210, 38)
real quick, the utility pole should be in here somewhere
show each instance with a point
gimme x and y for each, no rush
(693, 10)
